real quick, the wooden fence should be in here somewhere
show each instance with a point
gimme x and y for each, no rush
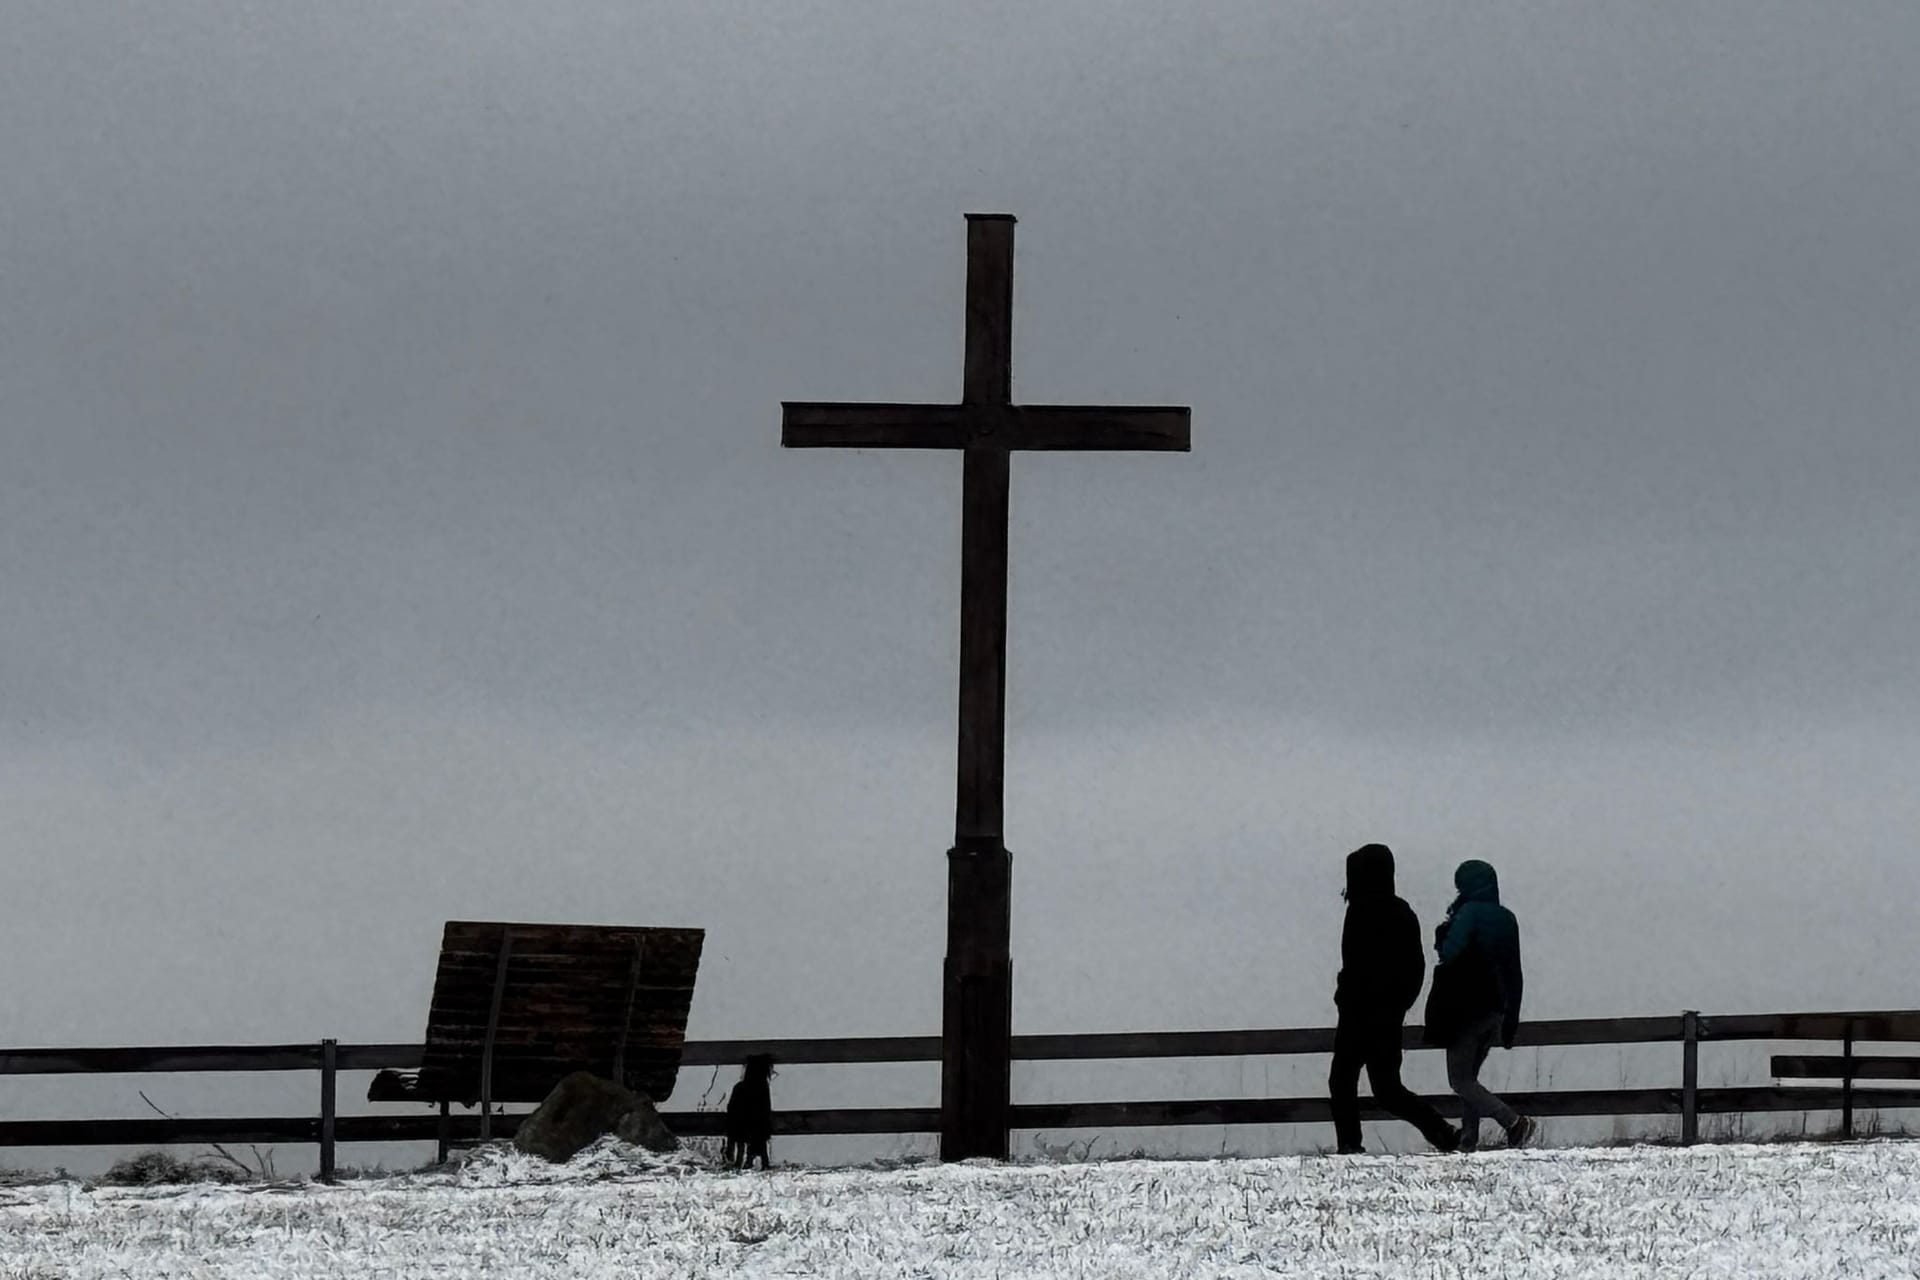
(329, 1058)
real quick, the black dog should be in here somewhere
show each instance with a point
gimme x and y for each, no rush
(750, 1114)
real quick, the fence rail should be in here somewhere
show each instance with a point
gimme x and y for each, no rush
(329, 1058)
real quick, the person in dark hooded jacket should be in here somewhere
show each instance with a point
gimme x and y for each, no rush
(1476, 997)
(1382, 965)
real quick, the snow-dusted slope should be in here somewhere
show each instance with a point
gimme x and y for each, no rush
(1745, 1211)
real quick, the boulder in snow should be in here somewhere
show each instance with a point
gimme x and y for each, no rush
(584, 1106)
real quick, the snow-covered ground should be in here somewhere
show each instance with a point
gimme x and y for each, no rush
(1736, 1211)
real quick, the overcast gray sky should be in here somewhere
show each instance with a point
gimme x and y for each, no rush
(393, 525)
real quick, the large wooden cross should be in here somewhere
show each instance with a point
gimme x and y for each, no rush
(977, 1021)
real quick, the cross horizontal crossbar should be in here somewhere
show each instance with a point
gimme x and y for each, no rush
(861, 425)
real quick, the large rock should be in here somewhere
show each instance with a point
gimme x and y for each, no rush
(583, 1107)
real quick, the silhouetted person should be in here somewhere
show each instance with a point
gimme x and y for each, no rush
(750, 1114)
(1476, 997)
(1382, 965)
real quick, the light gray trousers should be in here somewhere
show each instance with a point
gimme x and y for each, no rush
(1465, 1055)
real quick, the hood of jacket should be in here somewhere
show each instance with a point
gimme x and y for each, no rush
(1477, 882)
(1370, 873)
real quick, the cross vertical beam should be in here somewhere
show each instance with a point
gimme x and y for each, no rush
(980, 798)
(989, 370)
(977, 994)
(977, 1000)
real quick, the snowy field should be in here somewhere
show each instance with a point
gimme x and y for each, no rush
(1735, 1211)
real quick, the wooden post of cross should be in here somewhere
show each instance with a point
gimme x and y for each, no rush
(977, 1021)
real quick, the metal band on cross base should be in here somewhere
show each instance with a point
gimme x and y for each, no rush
(977, 1022)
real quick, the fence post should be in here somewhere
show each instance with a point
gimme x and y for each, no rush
(444, 1107)
(1689, 1077)
(1846, 1085)
(329, 1057)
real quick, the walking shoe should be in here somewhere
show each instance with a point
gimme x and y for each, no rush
(1522, 1132)
(1449, 1141)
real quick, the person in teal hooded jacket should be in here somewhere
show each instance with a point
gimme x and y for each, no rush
(1476, 997)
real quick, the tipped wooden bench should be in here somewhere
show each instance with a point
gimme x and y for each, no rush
(516, 1007)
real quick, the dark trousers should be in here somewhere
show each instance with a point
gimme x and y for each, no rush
(1466, 1054)
(1374, 1043)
